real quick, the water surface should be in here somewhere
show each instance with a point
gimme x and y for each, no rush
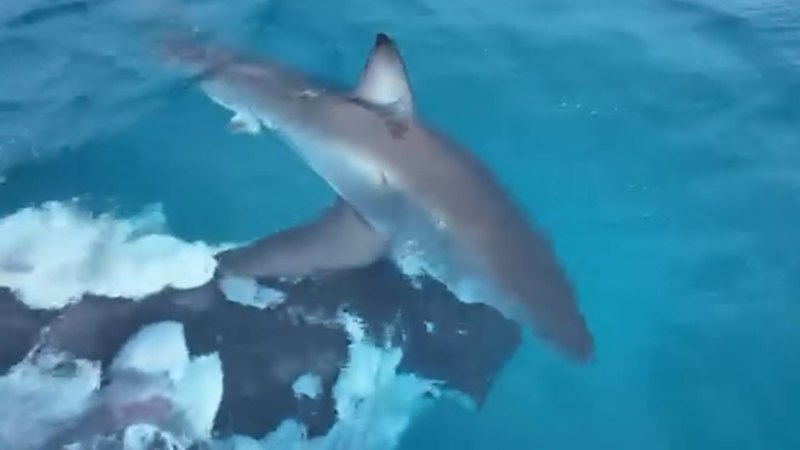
(656, 141)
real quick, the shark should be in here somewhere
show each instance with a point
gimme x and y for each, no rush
(401, 188)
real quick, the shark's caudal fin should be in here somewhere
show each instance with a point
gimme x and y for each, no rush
(384, 80)
(338, 239)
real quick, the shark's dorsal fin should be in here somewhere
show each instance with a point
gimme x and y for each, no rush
(384, 80)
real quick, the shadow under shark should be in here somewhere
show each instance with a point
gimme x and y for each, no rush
(264, 351)
(401, 187)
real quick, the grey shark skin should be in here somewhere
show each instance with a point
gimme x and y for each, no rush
(407, 185)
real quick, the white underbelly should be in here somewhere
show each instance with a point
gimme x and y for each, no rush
(362, 183)
(417, 236)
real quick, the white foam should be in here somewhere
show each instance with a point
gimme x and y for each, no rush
(196, 387)
(307, 384)
(374, 404)
(368, 369)
(142, 436)
(37, 398)
(156, 348)
(246, 291)
(50, 390)
(52, 254)
(411, 261)
(199, 394)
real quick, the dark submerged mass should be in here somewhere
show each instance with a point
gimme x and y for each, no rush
(264, 351)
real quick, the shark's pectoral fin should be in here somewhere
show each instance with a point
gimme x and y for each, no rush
(338, 239)
(384, 80)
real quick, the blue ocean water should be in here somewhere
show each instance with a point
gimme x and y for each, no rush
(655, 140)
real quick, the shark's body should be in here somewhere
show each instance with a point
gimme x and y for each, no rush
(400, 184)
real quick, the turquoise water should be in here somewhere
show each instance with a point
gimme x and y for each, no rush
(657, 142)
